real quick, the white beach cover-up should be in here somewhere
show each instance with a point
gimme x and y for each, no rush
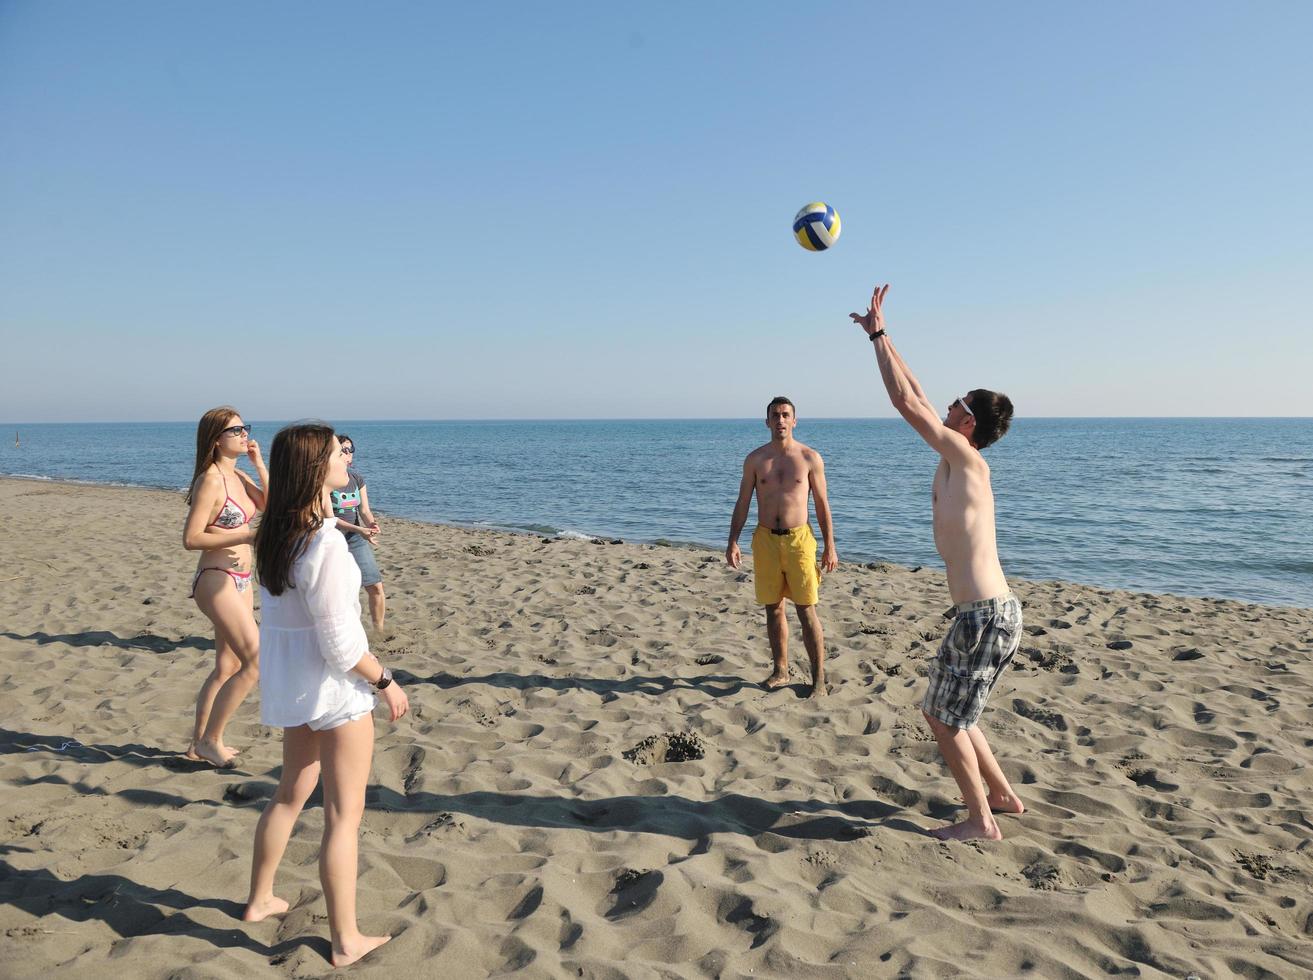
(311, 637)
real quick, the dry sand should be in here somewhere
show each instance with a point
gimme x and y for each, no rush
(526, 818)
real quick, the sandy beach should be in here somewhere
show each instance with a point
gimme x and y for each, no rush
(593, 783)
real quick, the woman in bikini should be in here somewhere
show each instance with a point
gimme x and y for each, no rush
(223, 501)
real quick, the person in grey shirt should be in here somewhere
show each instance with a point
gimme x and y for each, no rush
(356, 521)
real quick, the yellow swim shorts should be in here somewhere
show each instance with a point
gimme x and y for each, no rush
(784, 566)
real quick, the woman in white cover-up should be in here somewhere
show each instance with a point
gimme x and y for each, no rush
(317, 679)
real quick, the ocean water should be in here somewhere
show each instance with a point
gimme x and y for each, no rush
(1216, 507)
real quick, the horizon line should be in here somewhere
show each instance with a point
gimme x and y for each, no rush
(675, 418)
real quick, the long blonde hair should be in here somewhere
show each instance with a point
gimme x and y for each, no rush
(298, 466)
(209, 430)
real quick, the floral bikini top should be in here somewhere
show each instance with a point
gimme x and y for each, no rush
(231, 515)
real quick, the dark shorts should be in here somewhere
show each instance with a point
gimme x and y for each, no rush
(363, 553)
(976, 650)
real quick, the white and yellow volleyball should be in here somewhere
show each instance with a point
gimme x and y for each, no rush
(816, 226)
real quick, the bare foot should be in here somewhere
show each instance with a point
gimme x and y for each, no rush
(1005, 803)
(968, 830)
(817, 691)
(357, 949)
(776, 681)
(261, 909)
(215, 755)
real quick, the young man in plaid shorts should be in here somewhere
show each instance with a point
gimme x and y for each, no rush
(986, 629)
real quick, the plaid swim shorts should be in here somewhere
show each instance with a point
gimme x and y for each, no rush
(976, 650)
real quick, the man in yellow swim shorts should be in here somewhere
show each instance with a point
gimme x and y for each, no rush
(783, 472)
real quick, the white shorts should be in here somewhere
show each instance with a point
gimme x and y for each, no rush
(352, 708)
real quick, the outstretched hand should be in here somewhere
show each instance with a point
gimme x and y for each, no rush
(873, 319)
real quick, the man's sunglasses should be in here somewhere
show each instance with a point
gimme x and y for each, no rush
(236, 430)
(965, 407)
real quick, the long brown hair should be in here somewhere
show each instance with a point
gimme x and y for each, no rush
(209, 430)
(298, 466)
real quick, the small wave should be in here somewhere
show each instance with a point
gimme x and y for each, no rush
(536, 528)
(689, 545)
(91, 483)
(1298, 566)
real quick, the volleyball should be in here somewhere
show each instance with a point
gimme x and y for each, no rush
(816, 226)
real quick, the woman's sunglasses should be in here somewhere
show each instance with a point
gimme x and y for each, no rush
(236, 430)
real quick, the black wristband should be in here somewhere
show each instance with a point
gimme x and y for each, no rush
(384, 679)
(877, 335)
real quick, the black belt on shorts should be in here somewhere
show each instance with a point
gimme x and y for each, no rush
(776, 530)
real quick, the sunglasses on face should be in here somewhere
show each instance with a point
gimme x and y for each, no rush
(237, 430)
(348, 449)
(965, 407)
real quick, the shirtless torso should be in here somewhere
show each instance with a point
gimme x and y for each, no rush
(963, 505)
(782, 478)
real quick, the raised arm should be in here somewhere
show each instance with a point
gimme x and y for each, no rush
(820, 496)
(256, 492)
(746, 485)
(905, 393)
(911, 380)
(872, 321)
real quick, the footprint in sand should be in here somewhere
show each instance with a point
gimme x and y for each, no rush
(528, 905)
(1042, 876)
(570, 931)
(1041, 716)
(418, 873)
(1051, 660)
(633, 891)
(411, 774)
(740, 912)
(442, 822)
(1149, 778)
(517, 955)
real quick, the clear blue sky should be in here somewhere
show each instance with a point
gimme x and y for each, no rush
(430, 210)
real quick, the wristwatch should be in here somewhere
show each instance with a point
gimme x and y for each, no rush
(385, 680)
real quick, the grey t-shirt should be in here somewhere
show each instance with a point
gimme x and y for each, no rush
(346, 502)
